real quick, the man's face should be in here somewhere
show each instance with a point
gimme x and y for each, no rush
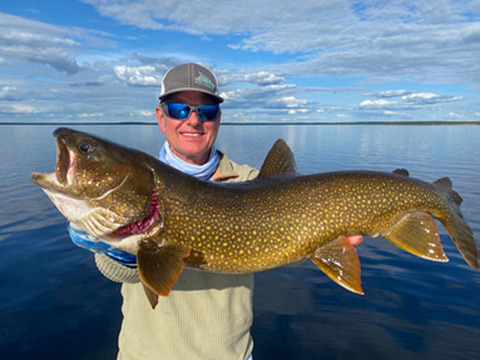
(191, 139)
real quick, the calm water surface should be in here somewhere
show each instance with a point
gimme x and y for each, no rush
(54, 303)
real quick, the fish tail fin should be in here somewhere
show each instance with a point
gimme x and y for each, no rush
(457, 228)
(462, 236)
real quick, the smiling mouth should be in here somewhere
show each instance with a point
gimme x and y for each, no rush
(192, 134)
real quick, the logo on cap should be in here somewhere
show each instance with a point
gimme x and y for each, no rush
(202, 79)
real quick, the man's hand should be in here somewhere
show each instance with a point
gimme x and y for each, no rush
(355, 240)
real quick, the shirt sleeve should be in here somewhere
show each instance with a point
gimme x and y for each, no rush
(115, 271)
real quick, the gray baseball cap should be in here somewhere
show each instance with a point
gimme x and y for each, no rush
(190, 77)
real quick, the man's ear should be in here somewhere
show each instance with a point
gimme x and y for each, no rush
(159, 114)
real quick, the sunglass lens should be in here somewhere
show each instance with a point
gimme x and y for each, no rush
(208, 112)
(178, 111)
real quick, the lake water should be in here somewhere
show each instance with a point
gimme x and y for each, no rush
(54, 304)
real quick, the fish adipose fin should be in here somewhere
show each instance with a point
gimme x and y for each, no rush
(339, 261)
(279, 161)
(417, 233)
(403, 172)
(159, 267)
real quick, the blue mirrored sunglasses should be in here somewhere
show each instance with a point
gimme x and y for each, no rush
(179, 111)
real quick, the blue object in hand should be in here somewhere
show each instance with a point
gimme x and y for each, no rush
(91, 243)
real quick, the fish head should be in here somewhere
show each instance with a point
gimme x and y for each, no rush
(100, 187)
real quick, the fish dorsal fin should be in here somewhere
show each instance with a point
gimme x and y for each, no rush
(403, 172)
(280, 161)
(339, 260)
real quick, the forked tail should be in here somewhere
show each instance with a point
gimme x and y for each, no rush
(457, 228)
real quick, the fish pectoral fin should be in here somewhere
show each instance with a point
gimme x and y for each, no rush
(417, 233)
(339, 261)
(160, 266)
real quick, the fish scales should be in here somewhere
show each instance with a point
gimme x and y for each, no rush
(170, 220)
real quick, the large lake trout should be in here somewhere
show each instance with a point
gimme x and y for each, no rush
(170, 220)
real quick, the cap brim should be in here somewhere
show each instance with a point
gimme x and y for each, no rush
(216, 97)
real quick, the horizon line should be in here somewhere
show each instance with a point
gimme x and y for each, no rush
(254, 123)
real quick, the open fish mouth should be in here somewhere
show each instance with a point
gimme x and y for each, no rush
(65, 161)
(63, 174)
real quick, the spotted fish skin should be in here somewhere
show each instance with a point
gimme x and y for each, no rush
(171, 220)
(275, 222)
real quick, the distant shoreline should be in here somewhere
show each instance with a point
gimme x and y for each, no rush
(70, 123)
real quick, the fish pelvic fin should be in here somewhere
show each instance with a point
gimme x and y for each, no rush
(417, 233)
(339, 261)
(457, 228)
(279, 161)
(151, 296)
(159, 267)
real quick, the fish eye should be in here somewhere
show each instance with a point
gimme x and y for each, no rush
(85, 147)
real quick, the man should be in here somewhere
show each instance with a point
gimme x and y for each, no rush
(206, 315)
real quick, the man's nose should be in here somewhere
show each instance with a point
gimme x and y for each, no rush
(193, 118)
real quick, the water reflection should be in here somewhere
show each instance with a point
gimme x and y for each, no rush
(412, 308)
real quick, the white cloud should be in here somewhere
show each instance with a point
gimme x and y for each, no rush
(453, 115)
(18, 109)
(90, 115)
(387, 40)
(138, 75)
(257, 77)
(146, 113)
(291, 101)
(40, 43)
(392, 93)
(8, 92)
(376, 103)
(427, 98)
(411, 100)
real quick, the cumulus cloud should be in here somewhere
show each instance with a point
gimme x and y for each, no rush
(138, 75)
(376, 103)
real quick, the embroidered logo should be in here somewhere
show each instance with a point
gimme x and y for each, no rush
(202, 79)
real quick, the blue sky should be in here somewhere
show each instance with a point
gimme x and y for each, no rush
(309, 60)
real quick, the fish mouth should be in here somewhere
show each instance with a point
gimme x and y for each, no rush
(65, 161)
(64, 165)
